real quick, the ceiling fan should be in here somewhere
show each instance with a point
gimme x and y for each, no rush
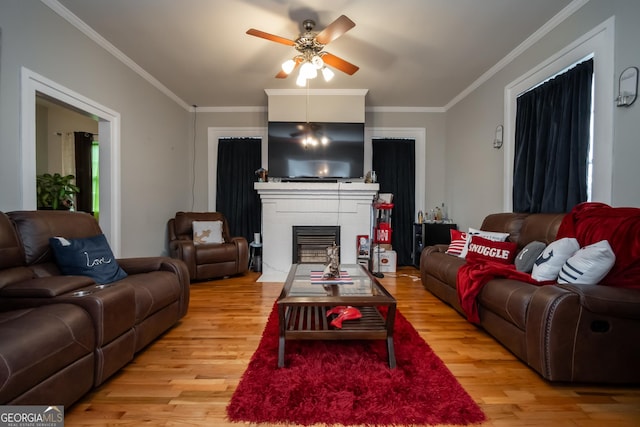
(311, 54)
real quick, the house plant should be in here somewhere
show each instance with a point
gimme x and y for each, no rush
(55, 191)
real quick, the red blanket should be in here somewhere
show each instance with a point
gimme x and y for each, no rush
(592, 222)
(472, 277)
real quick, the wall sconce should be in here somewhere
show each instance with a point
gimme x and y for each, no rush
(627, 87)
(497, 140)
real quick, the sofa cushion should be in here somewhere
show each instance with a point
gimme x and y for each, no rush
(89, 256)
(527, 256)
(589, 265)
(550, 261)
(542, 227)
(35, 343)
(481, 249)
(153, 291)
(508, 299)
(36, 227)
(216, 253)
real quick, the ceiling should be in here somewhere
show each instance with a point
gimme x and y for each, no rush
(411, 53)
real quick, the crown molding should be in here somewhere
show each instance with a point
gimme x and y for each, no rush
(569, 10)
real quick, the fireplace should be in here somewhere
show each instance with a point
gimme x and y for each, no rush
(289, 204)
(310, 242)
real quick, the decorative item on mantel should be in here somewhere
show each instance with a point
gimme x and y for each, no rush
(332, 269)
(262, 175)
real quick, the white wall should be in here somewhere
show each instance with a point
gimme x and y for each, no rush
(155, 165)
(475, 171)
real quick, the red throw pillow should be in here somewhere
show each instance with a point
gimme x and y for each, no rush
(481, 249)
(458, 240)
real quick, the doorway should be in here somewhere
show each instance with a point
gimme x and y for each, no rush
(108, 120)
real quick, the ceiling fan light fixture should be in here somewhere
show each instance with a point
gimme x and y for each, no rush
(317, 62)
(288, 66)
(327, 74)
(308, 71)
(301, 80)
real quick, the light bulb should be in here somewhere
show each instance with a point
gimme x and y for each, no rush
(301, 80)
(288, 66)
(327, 74)
(324, 140)
(317, 62)
(308, 70)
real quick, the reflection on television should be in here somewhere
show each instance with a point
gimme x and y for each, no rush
(319, 168)
(342, 157)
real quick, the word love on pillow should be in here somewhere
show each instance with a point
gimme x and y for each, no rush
(481, 249)
(90, 256)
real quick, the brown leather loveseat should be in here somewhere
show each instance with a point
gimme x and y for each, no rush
(62, 335)
(565, 332)
(208, 260)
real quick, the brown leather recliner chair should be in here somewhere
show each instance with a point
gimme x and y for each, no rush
(207, 260)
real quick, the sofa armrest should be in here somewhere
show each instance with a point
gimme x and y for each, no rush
(242, 248)
(608, 300)
(172, 265)
(552, 322)
(434, 248)
(184, 250)
(45, 287)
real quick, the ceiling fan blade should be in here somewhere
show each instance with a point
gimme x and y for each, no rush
(277, 39)
(339, 63)
(335, 30)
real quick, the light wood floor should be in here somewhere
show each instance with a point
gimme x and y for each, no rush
(187, 377)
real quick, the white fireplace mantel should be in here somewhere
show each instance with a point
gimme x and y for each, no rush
(285, 204)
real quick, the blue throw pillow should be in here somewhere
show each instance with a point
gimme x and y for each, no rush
(90, 256)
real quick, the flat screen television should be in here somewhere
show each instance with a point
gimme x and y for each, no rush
(315, 151)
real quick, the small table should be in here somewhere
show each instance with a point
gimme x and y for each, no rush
(302, 308)
(255, 256)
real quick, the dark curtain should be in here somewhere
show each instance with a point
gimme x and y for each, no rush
(238, 159)
(84, 199)
(552, 143)
(394, 163)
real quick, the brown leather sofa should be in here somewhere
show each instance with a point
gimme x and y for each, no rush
(61, 336)
(569, 333)
(210, 260)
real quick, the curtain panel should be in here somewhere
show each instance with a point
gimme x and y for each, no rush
(82, 148)
(236, 199)
(394, 163)
(552, 143)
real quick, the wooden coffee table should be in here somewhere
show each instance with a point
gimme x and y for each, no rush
(302, 308)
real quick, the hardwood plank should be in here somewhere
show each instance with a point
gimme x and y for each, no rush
(187, 377)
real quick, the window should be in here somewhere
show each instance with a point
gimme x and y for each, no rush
(95, 178)
(552, 135)
(599, 43)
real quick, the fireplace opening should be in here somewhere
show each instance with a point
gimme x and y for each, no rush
(310, 242)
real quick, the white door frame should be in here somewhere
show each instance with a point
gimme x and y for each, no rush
(109, 130)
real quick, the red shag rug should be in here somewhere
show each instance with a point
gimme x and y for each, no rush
(350, 383)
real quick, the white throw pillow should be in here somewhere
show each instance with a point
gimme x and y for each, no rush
(489, 235)
(589, 265)
(207, 232)
(552, 258)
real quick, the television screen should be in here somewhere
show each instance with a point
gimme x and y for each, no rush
(298, 150)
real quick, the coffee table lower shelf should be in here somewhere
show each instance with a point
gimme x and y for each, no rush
(310, 322)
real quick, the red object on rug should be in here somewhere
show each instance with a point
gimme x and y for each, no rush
(350, 383)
